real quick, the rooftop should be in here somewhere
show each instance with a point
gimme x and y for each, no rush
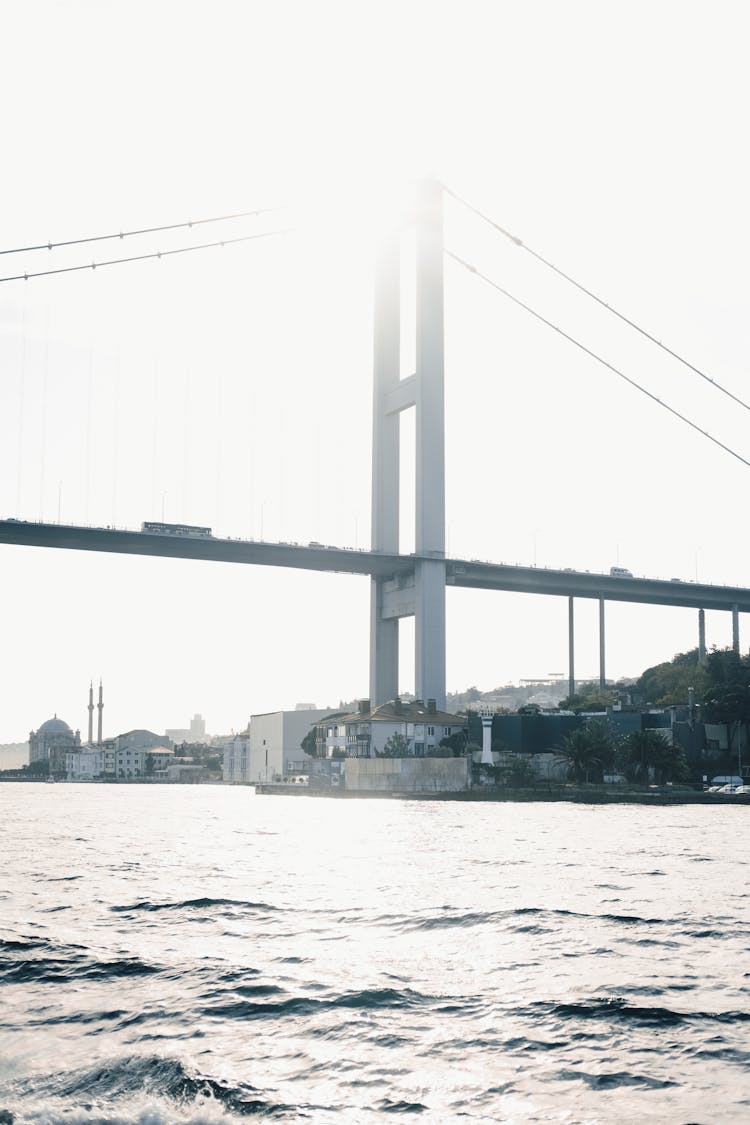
(398, 711)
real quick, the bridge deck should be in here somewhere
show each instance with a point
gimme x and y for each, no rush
(462, 573)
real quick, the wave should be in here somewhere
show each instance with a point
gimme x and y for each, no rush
(479, 918)
(55, 970)
(615, 1079)
(129, 1080)
(387, 1106)
(368, 999)
(646, 1015)
(192, 904)
(8, 944)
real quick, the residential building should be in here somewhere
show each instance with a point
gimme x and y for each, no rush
(90, 763)
(421, 726)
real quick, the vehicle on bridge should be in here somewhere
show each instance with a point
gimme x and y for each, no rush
(179, 529)
(620, 572)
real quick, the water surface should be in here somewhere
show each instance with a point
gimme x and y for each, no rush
(201, 954)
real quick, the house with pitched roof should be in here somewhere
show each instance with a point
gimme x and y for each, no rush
(365, 733)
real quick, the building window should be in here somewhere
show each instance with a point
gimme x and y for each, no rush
(446, 731)
(419, 749)
(431, 732)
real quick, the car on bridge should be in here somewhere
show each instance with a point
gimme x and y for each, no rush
(620, 572)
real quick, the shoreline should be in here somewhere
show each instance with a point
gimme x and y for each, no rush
(485, 793)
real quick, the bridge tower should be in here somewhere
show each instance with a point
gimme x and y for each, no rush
(420, 594)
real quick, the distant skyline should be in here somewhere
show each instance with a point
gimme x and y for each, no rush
(232, 387)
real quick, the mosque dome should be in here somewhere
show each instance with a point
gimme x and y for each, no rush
(54, 726)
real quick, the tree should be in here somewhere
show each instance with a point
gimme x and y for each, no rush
(396, 747)
(646, 753)
(39, 768)
(666, 684)
(590, 698)
(456, 742)
(587, 750)
(309, 743)
(529, 709)
(517, 771)
(727, 698)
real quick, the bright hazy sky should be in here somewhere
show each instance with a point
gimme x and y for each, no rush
(233, 387)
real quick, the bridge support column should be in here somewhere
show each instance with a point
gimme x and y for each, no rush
(424, 390)
(430, 631)
(571, 648)
(602, 678)
(383, 649)
(701, 636)
(385, 465)
(735, 628)
(430, 448)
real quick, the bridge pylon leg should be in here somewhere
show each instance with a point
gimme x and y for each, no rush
(430, 451)
(571, 646)
(602, 676)
(701, 636)
(385, 464)
(422, 389)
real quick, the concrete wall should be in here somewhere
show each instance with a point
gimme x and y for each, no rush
(407, 775)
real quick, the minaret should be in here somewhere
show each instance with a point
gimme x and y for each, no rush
(91, 712)
(100, 705)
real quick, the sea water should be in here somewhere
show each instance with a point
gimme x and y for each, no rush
(203, 954)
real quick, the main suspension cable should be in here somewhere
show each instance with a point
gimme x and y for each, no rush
(594, 355)
(599, 300)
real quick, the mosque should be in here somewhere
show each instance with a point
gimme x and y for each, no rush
(54, 738)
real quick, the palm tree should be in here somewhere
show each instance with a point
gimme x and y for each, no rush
(587, 750)
(646, 750)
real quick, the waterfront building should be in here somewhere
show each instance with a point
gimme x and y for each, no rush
(421, 726)
(272, 747)
(109, 760)
(143, 762)
(332, 736)
(236, 759)
(52, 742)
(85, 764)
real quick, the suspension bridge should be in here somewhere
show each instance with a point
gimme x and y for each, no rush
(414, 584)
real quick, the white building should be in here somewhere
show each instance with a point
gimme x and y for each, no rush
(131, 763)
(85, 764)
(236, 759)
(113, 760)
(333, 731)
(275, 743)
(420, 725)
